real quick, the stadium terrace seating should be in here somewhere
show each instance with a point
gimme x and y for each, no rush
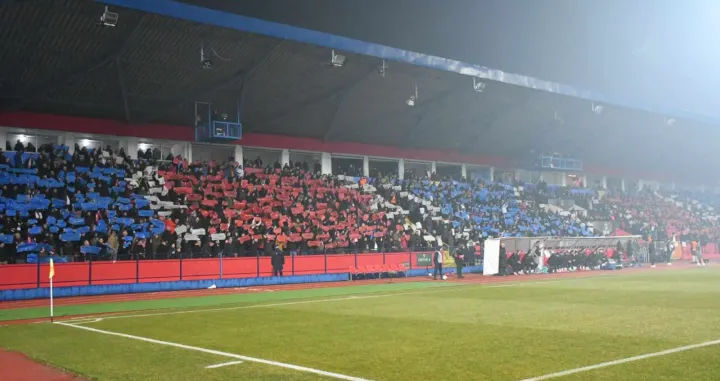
(651, 214)
(97, 204)
(101, 205)
(475, 211)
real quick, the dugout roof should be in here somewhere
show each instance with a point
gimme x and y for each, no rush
(57, 59)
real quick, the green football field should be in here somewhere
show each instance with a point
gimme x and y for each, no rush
(662, 325)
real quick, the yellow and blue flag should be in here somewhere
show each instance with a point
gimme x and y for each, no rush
(52, 269)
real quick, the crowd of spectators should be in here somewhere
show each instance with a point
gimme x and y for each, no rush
(99, 204)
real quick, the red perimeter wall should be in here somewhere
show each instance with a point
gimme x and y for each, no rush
(98, 273)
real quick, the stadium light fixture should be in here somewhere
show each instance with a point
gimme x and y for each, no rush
(413, 97)
(598, 109)
(478, 86)
(109, 18)
(204, 61)
(337, 60)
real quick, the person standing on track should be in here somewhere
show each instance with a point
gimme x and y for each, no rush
(699, 254)
(438, 262)
(459, 261)
(278, 262)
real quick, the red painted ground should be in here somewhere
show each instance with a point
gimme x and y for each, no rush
(18, 367)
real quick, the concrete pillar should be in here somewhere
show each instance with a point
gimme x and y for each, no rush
(326, 163)
(604, 182)
(640, 185)
(284, 157)
(3, 137)
(672, 186)
(622, 184)
(238, 156)
(584, 181)
(563, 179)
(463, 171)
(69, 141)
(188, 152)
(433, 168)
(366, 166)
(401, 169)
(492, 174)
(177, 149)
(132, 147)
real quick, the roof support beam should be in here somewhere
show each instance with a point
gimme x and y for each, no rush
(322, 97)
(332, 125)
(502, 112)
(194, 95)
(67, 78)
(58, 82)
(123, 92)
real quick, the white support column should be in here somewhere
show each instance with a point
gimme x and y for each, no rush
(672, 186)
(132, 147)
(177, 149)
(563, 179)
(3, 137)
(326, 163)
(401, 169)
(492, 174)
(640, 185)
(366, 166)
(584, 181)
(239, 158)
(622, 184)
(189, 152)
(69, 141)
(285, 157)
(433, 167)
(463, 171)
(604, 182)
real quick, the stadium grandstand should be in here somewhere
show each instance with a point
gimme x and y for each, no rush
(179, 157)
(178, 134)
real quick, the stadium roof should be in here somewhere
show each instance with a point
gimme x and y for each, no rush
(57, 59)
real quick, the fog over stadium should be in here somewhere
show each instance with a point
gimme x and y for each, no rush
(361, 191)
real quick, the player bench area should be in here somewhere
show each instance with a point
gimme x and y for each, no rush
(378, 271)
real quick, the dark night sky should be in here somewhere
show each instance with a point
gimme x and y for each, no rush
(658, 51)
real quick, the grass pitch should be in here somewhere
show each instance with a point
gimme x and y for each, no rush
(418, 331)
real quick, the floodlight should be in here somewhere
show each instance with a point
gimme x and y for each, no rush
(413, 97)
(204, 61)
(478, 86)
(109, 18)
(337, 60)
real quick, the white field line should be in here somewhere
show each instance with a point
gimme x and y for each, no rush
(224, 364)
(623, 361)
(95, 319)
(219, 353)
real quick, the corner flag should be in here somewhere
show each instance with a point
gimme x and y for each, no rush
(52, 269)
(50, 276)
